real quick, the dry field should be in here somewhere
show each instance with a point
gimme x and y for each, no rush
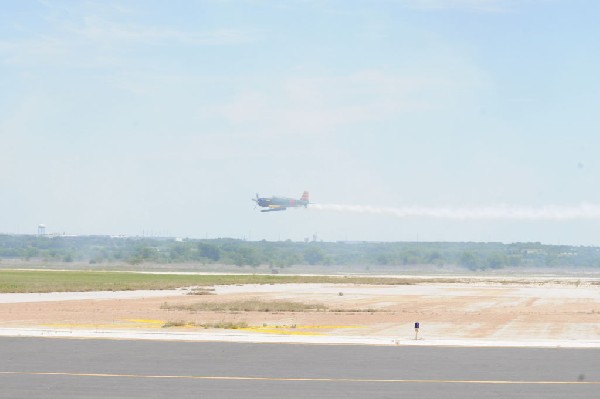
(551, 309)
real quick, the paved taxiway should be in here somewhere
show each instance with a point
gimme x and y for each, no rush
(52, 367)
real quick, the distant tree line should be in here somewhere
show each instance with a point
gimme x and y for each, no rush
(281, 254)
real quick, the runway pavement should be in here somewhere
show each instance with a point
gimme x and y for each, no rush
(62, 368)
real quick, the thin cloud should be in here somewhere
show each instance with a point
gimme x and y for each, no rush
(324, 104)
(103, 31)
(76, 37)
(484, 6)
(67, 50)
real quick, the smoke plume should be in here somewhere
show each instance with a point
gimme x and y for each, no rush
(499, 212)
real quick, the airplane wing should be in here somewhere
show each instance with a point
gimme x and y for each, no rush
(274, 208)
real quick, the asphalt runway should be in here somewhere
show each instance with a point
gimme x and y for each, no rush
(92, 368)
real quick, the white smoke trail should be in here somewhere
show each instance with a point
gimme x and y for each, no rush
(499, 212)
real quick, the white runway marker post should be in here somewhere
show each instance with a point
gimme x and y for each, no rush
(416, 330)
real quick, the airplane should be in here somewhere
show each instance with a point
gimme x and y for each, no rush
(280, 203)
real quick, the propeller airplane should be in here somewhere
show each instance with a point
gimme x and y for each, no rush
(275, 204)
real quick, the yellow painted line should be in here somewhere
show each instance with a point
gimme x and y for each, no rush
(279, 331)
(58, 325)
(314, 327)
(237, 378)
(126, 322)
(115, 326)
(327, 327)
(149, 321)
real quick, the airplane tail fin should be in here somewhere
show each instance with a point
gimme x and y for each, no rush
(304, 196)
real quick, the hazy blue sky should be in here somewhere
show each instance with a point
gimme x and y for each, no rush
(167, 117)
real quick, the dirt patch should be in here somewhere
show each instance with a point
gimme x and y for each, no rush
(445, 311)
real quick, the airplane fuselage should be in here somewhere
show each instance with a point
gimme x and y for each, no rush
(281, 203)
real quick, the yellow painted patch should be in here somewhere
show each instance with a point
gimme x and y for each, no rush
(71, 325)
(148, 321)
(295, 330)
(156, 324)
(327, 327)
(277, 331)
(118, 325)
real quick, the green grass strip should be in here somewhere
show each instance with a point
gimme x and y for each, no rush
(13, 281)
